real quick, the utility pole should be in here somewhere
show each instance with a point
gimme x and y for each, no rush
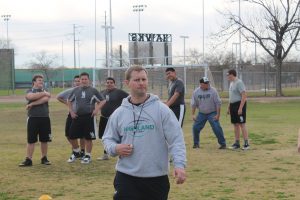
(62, 63)
(74, 44)
(106, 40)
(78, 53)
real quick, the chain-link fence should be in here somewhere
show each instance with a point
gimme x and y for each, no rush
(260, 77)
(256, 78)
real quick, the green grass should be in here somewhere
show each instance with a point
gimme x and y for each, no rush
(288, 92)
(270, 170)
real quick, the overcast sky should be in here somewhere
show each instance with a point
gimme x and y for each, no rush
(37, 25)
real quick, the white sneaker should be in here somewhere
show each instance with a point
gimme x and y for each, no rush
(86, 159)
(72, 158)
(246, 147)
(104, 157)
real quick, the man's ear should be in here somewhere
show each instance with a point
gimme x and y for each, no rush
(126, 82)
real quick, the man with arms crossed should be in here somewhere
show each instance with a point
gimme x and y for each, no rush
(207, 100)
(38, 121)
(237, 108)
(63, 98)
(114, 98)
(142, 132)
(83, 123)
(176, 95)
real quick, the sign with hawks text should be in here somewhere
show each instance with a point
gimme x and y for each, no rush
(150, 48)
(149, 37)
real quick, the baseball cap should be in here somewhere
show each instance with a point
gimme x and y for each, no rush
(204, 80)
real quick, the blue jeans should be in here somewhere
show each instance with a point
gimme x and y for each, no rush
(215, 125)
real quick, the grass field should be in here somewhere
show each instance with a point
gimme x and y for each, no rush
(270, 170)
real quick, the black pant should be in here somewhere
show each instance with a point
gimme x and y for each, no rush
(136, 188)
(102, 126)
(179, 111)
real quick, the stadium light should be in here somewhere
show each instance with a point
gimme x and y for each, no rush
(6, 18)
(139, 9)
(184, 37)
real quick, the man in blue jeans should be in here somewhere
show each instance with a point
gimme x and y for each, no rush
(207, 100)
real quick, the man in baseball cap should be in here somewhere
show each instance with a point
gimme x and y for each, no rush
(206, 99)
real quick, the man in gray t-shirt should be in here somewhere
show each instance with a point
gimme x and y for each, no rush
(83, 119)
(38, 121)
(237, 108)
(206, 99)
(63, 98)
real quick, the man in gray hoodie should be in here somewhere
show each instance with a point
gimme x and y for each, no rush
(143, 131)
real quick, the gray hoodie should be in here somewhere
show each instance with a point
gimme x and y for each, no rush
(157, 134)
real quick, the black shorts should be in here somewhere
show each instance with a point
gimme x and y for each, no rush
(235, 117)
(83, 127)
(102, 126)
(38, 127)
(179, 112)
(68, 125)
(136, 188)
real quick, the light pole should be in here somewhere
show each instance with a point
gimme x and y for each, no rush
(236, 63)
(110, 31)
(184, 37)
(139, 9)
(240, 39)
(203, 29)
(95, 44)
(106, 41)
(203, 50)
(240, 35)
(6, 18)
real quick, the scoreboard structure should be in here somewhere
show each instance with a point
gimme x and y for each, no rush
(150, 49)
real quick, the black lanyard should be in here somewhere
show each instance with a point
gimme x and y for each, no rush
(136, 122)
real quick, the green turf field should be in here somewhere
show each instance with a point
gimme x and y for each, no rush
(270, 170)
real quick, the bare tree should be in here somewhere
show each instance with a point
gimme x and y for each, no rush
(275, 27)
(44, 62)
(119, 59)
(3, 43)
(217, 60)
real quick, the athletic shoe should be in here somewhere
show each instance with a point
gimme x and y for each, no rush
(86, 160)
(196, 146)
(222, 146)
(246, 147)
(104, 157)
(26, 163)
(45, 161)
(235, 146)
(82, 154)
(73, 157)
